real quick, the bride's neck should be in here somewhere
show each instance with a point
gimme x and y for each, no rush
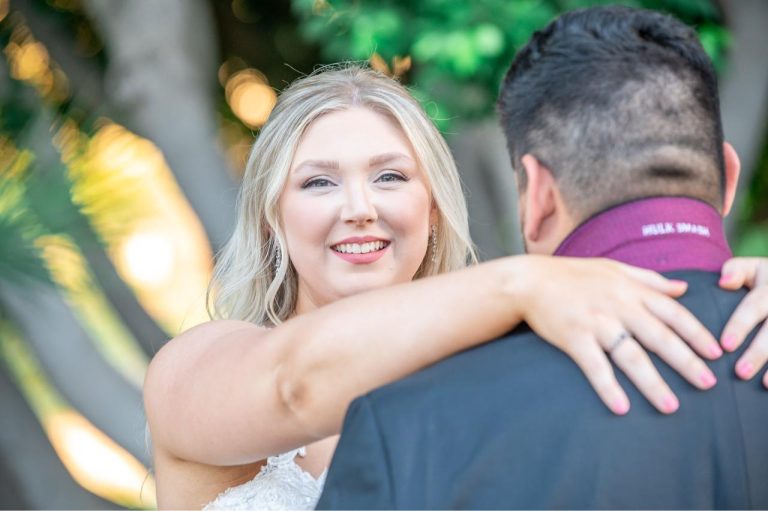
(305, 304)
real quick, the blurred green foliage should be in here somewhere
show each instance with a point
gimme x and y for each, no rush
(35, 190)
(19, 257)
(460, 49)
(20, 226)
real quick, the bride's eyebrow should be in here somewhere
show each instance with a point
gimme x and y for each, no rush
(316, 164)
(387, 157)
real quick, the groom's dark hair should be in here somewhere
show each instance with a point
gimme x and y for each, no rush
(619, 104)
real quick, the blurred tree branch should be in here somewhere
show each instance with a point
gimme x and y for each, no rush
(79, 372)
(161, 79)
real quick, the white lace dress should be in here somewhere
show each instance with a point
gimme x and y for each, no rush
(281, 484)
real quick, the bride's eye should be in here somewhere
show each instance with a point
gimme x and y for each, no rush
(390, 177)
(318, 182)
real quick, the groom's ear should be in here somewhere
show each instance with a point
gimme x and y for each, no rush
(540, 198)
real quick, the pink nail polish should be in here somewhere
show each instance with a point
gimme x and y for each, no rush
(670, 404)
(725, 278)
(744, 369)
(729, 341)
(715, 351)
(707, 379)
(620, 406)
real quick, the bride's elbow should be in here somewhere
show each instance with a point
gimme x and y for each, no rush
(295, 398)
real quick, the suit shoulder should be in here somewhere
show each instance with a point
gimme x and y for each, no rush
(512, 356)
(705, 298)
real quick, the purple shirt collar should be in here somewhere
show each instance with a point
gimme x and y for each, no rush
(660, 233)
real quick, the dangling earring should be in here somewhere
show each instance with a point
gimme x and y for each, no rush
(278, 257)
(433, 242)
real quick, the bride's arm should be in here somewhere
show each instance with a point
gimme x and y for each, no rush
(229, 392)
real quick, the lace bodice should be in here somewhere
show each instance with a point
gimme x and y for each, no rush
(281, 484)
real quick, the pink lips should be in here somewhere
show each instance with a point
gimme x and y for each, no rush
(368, 258)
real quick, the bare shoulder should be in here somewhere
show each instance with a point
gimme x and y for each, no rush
(181, 373)
(184, 350)
(205, 333)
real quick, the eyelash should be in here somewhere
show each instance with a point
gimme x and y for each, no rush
(396, 175)
(322, 182)
(314, 183)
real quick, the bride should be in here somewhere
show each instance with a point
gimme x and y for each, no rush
(350, 193)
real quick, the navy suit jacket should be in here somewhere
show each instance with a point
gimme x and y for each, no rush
(515, 424)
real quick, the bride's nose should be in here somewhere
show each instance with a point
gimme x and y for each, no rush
(358, 207)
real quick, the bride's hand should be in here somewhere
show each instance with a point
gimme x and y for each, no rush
(616, 311)
(753, 310)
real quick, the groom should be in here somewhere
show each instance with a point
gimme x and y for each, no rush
(613, 127)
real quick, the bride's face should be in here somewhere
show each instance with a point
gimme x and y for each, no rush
(356, 209)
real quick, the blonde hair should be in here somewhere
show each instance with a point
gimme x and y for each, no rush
(253, 279)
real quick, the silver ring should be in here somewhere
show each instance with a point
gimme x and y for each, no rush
(623, 336)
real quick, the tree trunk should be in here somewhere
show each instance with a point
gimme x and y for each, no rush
(31, 474)
(161, 79)
(76, 369)
(489, 182)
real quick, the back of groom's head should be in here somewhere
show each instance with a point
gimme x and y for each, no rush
(618, 104)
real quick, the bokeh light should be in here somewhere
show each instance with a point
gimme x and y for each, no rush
(154, 238)
(97, 462)
(148, 257)
(30, 62)
(250, 97)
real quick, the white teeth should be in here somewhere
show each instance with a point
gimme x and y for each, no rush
(359, 248)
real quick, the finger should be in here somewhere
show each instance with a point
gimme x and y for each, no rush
(734, 272)
(655, 280)
(657, 337)
(744, 271)
(752, 311)
(683, 322)
(765, 380)
(761, 272)
(636, 364)
(755, 357)
(595, 365)
(661, 340)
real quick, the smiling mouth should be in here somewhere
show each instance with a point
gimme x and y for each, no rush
(360, 248)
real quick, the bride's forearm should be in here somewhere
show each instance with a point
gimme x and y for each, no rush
(349, 347)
